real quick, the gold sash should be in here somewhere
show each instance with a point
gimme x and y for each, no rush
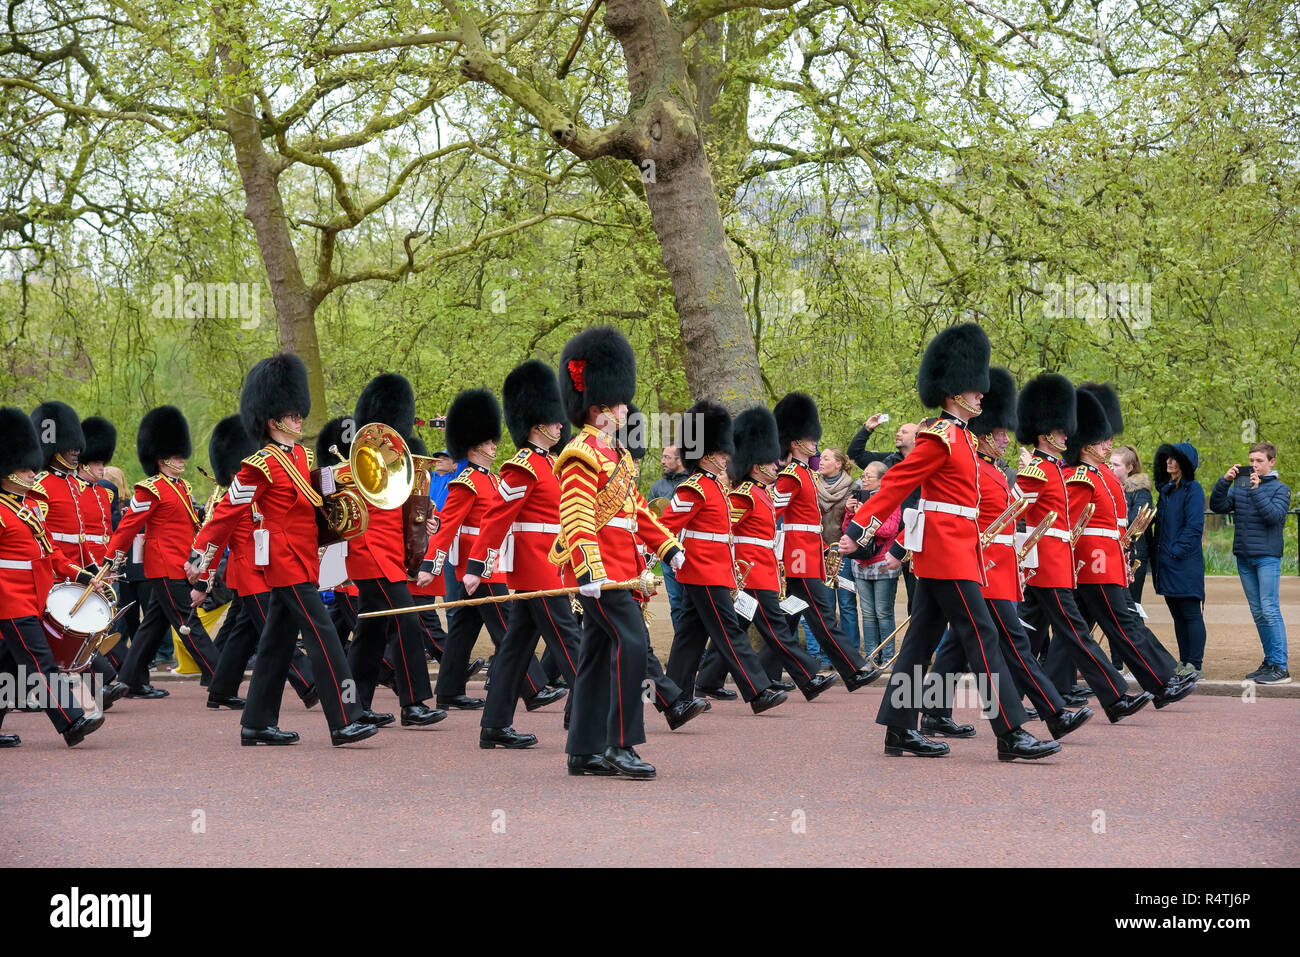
(300, 480)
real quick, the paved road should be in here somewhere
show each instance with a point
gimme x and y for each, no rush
(1211, 781)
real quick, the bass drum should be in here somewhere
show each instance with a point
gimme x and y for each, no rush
(75, 637)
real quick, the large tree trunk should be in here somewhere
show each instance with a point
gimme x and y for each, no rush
(294, 309)
(721, 363)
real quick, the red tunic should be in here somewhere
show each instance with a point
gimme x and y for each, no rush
(995, 496)
(943, 462)
(468, 496)
(1098, 547)
(64, 522)
(753, 526)
(585, 467)
(243, 575)
(379, 551)
(164, 509)
(97, 518)
(1043, 483)
(524, 518)
(287, 503)
(29, 562)
(801, 521)
(699, 514)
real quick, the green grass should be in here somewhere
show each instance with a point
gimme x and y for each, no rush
(1218, 548)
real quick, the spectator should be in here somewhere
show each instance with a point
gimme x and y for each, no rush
(1126, 467)
(904, 439)
(444, 470)
(875, 581)
(1260, 504)
(834, 491)
(1178, 564)
(674, 474)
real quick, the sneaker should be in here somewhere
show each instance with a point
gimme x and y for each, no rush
(1273, 675)
(1183, 669)
(1263, 668)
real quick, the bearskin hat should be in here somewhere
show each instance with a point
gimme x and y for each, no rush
(274, 387)
(711, 431)
(597, 367)
(389, 400)
(474, 417)
(754, 433)
(58, 427)
(796, 418)
(531, 396)
(417, 446)
(1091, 425)
(163, 434)
(1109, 399)
(1047, 402)
(20, 446)
(633, 435)
(331, 433)
(228, 446)
(101, 439)
(998, 410)
(955, 361)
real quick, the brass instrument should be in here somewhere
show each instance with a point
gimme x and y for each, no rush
(741, 574)
(833, 560)
(1082, 523)
(780, 580)
(657, 506)
(1039, 531)
(379, 473)
(415, 514)
(1009, 515)
(1145, 516)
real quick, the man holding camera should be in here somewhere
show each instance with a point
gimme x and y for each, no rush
(1259, 501)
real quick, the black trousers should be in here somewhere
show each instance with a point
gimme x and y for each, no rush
(410, 671)
(550, 619)
(708, 613)
(607, 706)
(1026, 673)
(1071, 647)
(434, 639)
(462, 631)
(664, 691)
(343, 616)
(290, 610)
(103, 666)
(128, 597)
(166, 604)
(1147, 659)
(23, 647)
(551, 664)
(781, 650)
(820, 615)
(248, 614)
(959, 606)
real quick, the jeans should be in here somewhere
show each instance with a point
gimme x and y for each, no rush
(676, 593)
(811, 643)
(1260, 580)
(876, 599)
(846, 598)
(1189, 629)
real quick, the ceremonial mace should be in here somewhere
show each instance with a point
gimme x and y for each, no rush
(645, 581)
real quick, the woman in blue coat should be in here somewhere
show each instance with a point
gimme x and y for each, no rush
(1177, 563)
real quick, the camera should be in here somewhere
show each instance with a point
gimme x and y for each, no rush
(1244, 473)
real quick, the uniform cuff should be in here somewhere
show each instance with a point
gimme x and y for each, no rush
(475, 567)
(667, 557)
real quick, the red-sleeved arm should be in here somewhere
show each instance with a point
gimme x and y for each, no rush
(651, 531)
(1079, 493)
(929, 454)
(578, 519)
(134, 516)
(515, 485)
(460, 499)
(680, 508)
(245, 489)
(787, 486)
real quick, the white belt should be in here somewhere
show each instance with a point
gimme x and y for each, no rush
(535, 527)
(789, 527)
(760, 542)
(963, 510)
(468, 530)
(706, 536)
(1003, 540)
(1102, 532)
(78, 539)
(1057, 533)
(6, 563)
(1123, 523)
(623, 522)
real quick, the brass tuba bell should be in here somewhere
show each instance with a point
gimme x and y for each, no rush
(381, 466)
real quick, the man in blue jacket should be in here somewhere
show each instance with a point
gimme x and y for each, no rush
(1260, 502)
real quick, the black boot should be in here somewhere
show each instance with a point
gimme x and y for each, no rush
(230, 701)
(1176, 690)
(543, 698)
(252, 736)
(9, 741)
(899, 741)
(1062, 724)
(580, 764)
(421, 715)
(375, 718)
(722, 694)
(1127, 705)
(86, 724)
(489, 738)
(352, 733)
(628, 763)
(147, 691)
(1019, 743)
(461, 703)
(863, 678)
(938, 725)
(819, 684)
(682, 710)
(767, 699)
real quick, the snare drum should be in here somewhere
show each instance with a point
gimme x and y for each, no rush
(73, 638)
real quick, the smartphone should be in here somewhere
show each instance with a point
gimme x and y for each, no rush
(884, 417)
(1244, 472)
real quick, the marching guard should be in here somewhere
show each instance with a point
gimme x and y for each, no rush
(947, 558)
(277, 479)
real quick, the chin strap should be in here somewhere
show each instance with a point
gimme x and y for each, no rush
(287, 429)
(966, 406)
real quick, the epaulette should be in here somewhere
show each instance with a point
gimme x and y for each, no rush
(1080, 476)
(311, 457)
(259, 461)
(466, 477)
(38, 488)
(580, 451)
(940, 429)
(745, 488)
(189, 489)
(693, 483)
(44, 509)
(790, 469)
(149, 485)
(1033, 470)
(523, 459)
